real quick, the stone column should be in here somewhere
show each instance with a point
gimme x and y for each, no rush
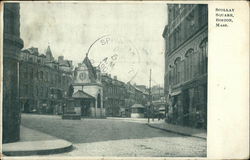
(12, 44)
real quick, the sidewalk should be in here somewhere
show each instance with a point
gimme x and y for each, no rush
(33, 142)
(161, 124)
(128, 119)
(199, 133)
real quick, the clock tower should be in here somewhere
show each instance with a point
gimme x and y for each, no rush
(82, 74)
(87, 81)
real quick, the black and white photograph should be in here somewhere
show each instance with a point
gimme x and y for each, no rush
(105, 79)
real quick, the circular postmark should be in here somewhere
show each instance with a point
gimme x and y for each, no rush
(115, 55)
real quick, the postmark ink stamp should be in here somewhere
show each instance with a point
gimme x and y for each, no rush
(114, 54)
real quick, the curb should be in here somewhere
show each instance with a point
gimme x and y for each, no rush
(184, 134)
(31, 152)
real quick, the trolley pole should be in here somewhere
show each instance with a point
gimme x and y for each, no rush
(149, 93)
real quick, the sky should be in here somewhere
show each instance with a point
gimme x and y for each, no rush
(71, 28)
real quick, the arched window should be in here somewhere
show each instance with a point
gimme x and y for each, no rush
(188, 64)
(203, 57)
(177, 70)
(170, 77)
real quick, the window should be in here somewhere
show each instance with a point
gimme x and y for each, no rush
(188, 65)
(41, 75)
(41, 93)
(26, 91)
(171, 42)
(178, 31)
(31, 73)
(169, 78)
(177, 70)
(203, 57)
(55, 79)
(30, 59)
(46, 77)
(39, 61)
(25, 72)
(30, 90)
(59, 79)
(36, 74)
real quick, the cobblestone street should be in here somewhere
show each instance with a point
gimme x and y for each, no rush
(110, 137)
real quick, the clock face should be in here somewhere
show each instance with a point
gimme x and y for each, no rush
(82, 76)
(115, 55)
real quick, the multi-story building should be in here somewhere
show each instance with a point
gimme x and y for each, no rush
(135, 94)
(143, 91)
(186, 37)
(114, 93)
(12, 44)
(118, 97)
(157, 92)
(44, 82)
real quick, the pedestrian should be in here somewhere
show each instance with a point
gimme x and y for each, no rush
(199, 120)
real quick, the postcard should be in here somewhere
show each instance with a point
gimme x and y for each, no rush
(125, 80)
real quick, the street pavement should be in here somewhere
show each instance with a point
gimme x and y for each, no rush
(115, 138)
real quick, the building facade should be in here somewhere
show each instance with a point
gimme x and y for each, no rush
(12, 44)
(44, 81)
(135, 94)
(87, 80)
(119, 97)
(114, 92)
(157, 92)
(185, 81)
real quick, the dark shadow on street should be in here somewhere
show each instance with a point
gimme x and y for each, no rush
(91, 130)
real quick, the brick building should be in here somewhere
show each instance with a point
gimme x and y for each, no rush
(186, 38)
(114, 93)
(157, 92)
(118, 97)
(135, 94)
(44, 81)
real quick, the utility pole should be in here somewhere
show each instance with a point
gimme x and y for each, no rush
(149, 90)
(159, 92)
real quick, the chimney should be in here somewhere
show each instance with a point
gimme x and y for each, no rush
(70, 63)
(115, 77)
(60, 59)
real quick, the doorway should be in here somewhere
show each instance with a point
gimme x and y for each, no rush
(85, 108)
(26, 107)
(186, 101)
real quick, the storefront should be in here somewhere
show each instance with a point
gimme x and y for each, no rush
(187, 106)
